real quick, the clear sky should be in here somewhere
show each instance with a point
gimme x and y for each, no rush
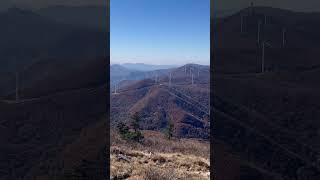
(160, 31)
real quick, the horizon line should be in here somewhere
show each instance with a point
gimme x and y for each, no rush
(159, 64)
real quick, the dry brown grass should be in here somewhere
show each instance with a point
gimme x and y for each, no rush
(159, 158)
(158, 166)
(153, 173)
(156, 142)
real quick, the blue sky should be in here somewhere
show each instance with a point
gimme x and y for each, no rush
(160, 31)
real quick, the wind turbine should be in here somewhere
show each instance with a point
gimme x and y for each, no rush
(264, 44)
(170, 76)
(283, 36)
(16, 80)
(251, 8)
(156, 78)
(241, 23)
(17, 86)
(259, 24)
(115, 88)
(192, 80)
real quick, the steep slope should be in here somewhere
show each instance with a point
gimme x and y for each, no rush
(160, 105)
(48, 124)
(32, 43)
(183, 74)
(51, 122)
(84, 16)
(185, 104)
(241, 52)
(29, 37)
(53, 76)
(275, 110)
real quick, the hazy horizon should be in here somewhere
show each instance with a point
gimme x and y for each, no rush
(155, 64)
(164, 32)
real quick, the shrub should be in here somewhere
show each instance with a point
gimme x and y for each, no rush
(134, 136)
(169, 129)
(135, 122)
(122, 128)
(126, 134)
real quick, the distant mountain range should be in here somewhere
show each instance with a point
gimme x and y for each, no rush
(146, 67)
(137, 71)
(223, 13)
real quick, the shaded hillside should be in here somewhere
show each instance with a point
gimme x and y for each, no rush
(62, 97)
(48, 124)
(182, 102)
(38, 48)
(274, 112)
(85, 16)
(57, 75)
(301, 28)
(53, 113)
(85, 156)
(241, 52)
(183, 74)
(29, 38)
(290, 105)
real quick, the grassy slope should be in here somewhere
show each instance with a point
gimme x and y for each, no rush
(157, 157)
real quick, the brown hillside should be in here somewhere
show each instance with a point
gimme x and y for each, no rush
(158, 103)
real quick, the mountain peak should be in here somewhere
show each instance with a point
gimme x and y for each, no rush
(15, 13)
(16, 10)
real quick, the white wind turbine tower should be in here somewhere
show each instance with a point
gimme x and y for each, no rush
(18, 72)
(192, 80)
(156, 77)
(258, 38)
(198, 71)
(170, 76)
(283, 36)
(115, 88)
(241, 24)
(16, 81)
(264, 44)
(17, 86)
(185, 69)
